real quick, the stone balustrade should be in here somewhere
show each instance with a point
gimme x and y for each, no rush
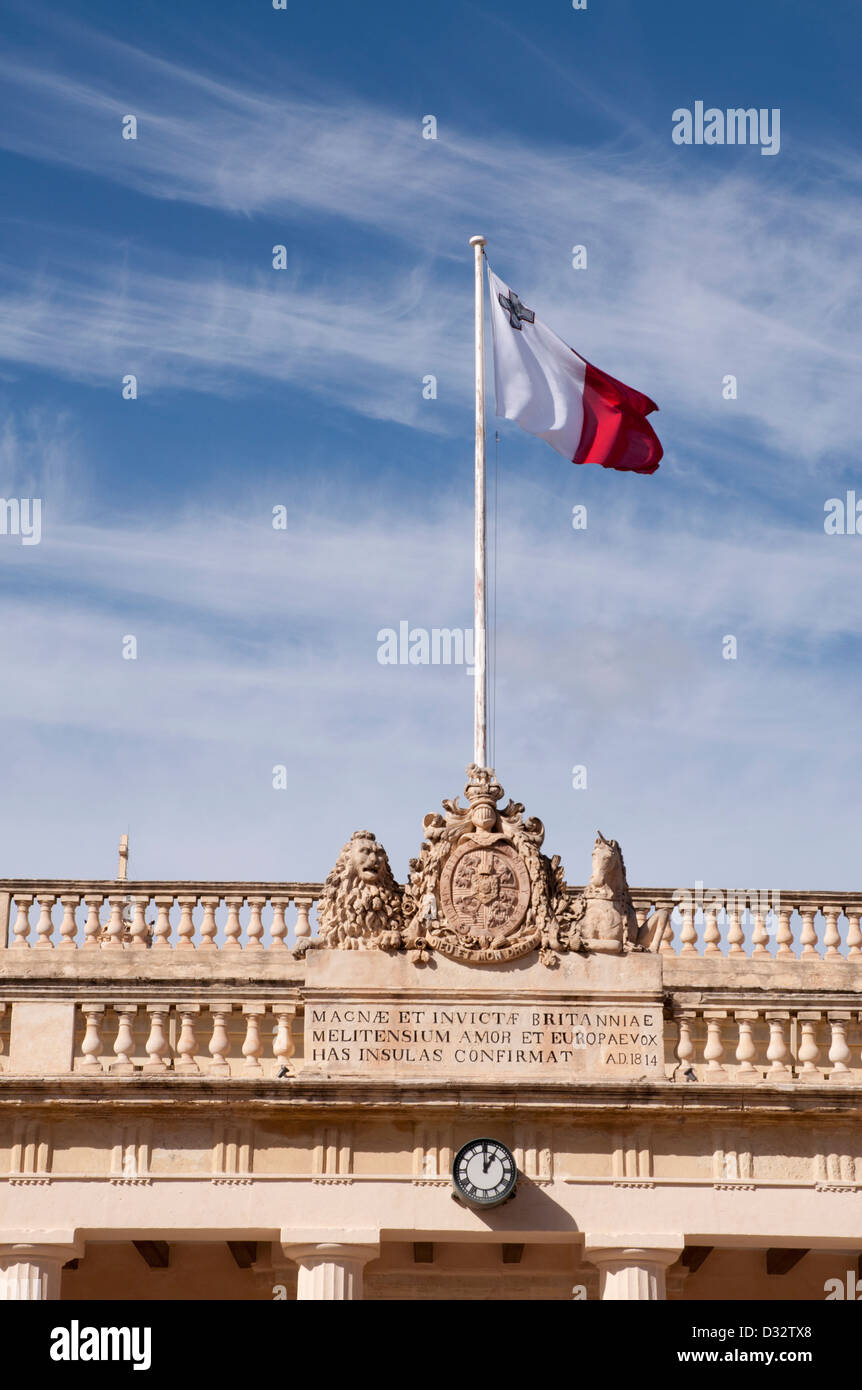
(55, 914)
(742, 1041)
(187, 1038)
(235, 1036)
(739, 923)
(745, 1041)
(51, 914)
(157, 978)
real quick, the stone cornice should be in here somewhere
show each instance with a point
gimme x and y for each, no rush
(150, 974)
(667, 1099)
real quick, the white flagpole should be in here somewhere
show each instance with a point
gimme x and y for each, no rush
(480, 709)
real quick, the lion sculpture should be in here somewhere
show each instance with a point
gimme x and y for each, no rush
(360, 909)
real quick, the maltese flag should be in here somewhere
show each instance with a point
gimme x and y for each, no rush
(586, 415)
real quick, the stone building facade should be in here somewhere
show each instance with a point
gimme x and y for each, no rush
(257, 1090)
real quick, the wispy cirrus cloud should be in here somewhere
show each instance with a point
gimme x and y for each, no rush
(692, 274)
(258, 647)
(197, 326)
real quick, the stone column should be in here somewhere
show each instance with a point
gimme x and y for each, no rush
(632, 1267)
(330, 1271)
(32, 1272)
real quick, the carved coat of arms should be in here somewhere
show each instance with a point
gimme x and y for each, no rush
(481, 891)
(485, 892)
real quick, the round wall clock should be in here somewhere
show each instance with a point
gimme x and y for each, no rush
(484, 1173)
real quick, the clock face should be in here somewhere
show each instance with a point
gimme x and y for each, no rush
(484, 1172)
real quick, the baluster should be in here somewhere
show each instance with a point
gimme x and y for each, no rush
(219, 1043)
(283, 1042)
(162, 931)
(157, 1043)
(808, 1049)
(688, 936)
(809, 935)
(114, 935)
(45, 925)
(303, 926)
(735, 934)
(209, 926)
(839, 1052)
(186, 928)
(187, 1042)
(69, 927)
(253, 1047)
(233, 927)
(759, 934)
(278, 931)
(666, 947)
(711, 935)
(124, 1043)
(854, 935)
(255, 925)
(93, 927)
(139, 930)
(777, 1052)
(831, 936)
(684, 1046)
(784, 936)
(714, 1049)
(21, 929)
(91, 1047)
(745, 1048)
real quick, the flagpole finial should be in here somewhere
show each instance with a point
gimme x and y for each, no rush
(478, 241)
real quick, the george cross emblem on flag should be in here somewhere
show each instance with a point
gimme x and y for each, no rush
(518, 314)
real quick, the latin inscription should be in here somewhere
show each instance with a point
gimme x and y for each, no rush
(441, 1039)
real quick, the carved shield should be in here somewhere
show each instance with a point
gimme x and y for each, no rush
(485, 892)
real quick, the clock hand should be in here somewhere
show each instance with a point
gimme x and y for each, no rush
(486, 1160)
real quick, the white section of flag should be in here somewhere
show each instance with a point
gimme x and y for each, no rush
(538, 379)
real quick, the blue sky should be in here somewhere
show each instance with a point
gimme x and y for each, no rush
(303, 388)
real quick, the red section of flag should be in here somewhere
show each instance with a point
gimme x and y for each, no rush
(616, 432)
